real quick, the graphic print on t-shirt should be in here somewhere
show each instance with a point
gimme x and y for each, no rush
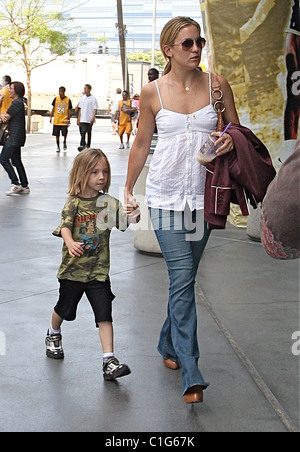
(85, 223)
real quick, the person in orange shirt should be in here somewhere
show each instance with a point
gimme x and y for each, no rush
(61, 111)
(5, 99)
(124, 118)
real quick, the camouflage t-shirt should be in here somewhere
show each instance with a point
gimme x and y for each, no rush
(90, 221)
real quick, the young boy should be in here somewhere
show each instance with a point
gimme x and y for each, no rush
(87, 219)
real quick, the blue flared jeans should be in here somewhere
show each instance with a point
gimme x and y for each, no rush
(182, 237)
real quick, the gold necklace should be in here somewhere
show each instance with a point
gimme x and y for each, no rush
(187, 88)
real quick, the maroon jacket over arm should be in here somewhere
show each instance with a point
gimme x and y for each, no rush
(241, 175)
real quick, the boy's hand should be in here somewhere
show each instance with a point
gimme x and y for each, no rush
(130, 203)
(135, 215)
(76, 249)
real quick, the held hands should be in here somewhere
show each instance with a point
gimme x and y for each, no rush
(131, 208)
(226, 143)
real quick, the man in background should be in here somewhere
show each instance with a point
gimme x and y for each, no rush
(5, 99)
(87, 109)
(61, 111)
(123, 116)
(112, 107)
(153, 74)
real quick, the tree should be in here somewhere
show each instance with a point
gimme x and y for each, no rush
(102, 47)
(159, 58)
(29, 35)
(147, 57)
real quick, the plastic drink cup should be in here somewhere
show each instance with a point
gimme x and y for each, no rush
(207, 151)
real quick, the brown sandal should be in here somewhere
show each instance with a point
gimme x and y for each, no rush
(194, 394)
(170, 364)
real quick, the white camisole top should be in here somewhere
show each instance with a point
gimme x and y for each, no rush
(175, 177)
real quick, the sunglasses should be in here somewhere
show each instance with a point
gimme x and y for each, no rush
(187, 44)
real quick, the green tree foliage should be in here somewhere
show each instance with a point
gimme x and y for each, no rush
(147, 57)
(31, 35)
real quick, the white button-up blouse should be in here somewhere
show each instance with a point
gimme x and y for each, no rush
(175, 177)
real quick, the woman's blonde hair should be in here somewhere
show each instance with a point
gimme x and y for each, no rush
(169, 34)
(83, 166)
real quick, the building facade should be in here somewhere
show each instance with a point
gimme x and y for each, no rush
(94, 22)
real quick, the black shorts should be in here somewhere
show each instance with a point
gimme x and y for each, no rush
(98, 293)
(58, 129)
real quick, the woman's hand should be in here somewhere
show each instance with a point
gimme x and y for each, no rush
(226, 143)
(130, 204)
(131, 207)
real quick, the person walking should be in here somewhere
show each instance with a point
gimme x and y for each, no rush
(61, 111)
(124, 118)
(5, 99)
(112, 108)
(181, 105)
(87, 109)
(87, 219)
(11, 152)
(153, 74)
(135, 117)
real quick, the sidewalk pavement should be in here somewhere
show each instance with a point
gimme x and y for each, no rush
(248, 310)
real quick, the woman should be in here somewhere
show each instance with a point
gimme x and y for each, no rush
(180, 104)
(11, 152)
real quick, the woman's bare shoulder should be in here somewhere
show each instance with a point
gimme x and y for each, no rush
(149, 89)
(225, 86)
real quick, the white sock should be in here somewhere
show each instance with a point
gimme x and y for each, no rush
(53, 332)
(107, 356)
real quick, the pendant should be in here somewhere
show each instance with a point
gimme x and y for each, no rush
(187, 88)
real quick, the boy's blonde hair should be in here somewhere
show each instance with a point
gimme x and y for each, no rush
(83, 166)
(169, 34)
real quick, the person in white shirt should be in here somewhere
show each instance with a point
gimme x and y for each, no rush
(181, 105)
(87, 109)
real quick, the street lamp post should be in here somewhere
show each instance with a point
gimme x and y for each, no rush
(153, 32)
(122, 30)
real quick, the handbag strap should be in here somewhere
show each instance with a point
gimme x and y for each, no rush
(217, 96)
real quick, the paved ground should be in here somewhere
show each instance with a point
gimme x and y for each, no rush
(248, 306)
